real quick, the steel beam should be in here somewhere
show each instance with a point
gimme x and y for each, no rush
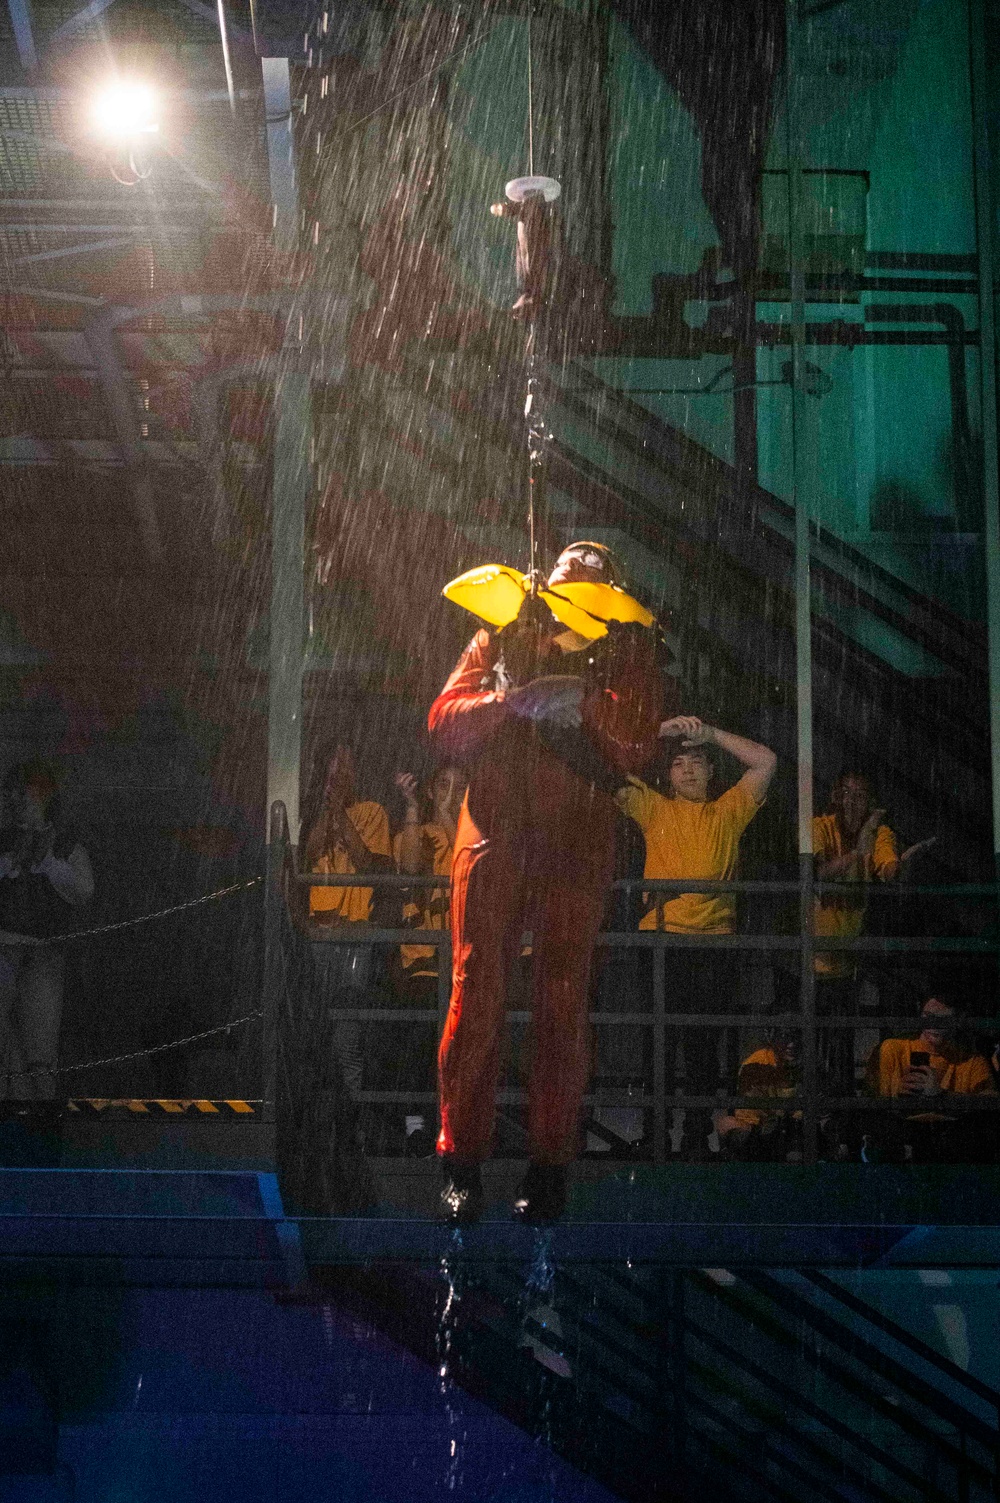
(24, 39)
(68, 251)
(985, 228)
(81, 19)
(803, 594)
(290, 484)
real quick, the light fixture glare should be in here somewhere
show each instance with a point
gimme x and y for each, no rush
(125, 110)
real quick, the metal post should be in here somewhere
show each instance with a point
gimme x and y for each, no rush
(660, 1053)
(275, 918)
(803, 601)
(287, 646)
(988, 385)
(290, 484)
(678, 1377)
(24, 36)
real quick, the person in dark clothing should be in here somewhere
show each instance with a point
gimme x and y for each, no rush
(547, 722)
(45, 874)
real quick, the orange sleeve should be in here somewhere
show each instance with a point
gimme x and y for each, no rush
(373, 829)
(465, 715)
(823, 844)
(885, 855)
(978, 1079)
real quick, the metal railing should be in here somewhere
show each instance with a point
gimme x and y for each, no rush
(287, 907)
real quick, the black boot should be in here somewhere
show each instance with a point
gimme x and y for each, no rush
(542, 1196)
(462, 1196)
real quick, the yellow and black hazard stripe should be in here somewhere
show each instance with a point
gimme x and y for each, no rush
(97, 1106)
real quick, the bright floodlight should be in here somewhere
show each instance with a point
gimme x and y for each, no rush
(125, 110)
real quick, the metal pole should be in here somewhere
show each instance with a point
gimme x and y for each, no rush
(290, 483)
(659, 959)
(988, 386)
(275, 918)
(803, 602)
(287, 642)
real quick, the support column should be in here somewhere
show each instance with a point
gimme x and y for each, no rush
(988, 386)
(290, 482)
(803, 598)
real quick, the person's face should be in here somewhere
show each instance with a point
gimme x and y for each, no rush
(448, 791)
(937, 1024)
(852, 800)
(580, 563)
(690, 772)
(340, 775)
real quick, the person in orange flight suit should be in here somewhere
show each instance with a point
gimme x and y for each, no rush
(546, 723)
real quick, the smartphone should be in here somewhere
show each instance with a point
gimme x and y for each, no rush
(919, 1058)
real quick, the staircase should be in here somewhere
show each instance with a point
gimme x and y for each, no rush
(685, 1384)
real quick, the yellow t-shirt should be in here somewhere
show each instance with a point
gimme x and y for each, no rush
(841, 915)
(684, 839)
(349, 905)
(763, 1074)
(959, 1073)
(430, 910)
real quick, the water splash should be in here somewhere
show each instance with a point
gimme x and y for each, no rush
(541, 1326)
(451, 1272)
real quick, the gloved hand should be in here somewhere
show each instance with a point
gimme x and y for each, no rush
(556, 699)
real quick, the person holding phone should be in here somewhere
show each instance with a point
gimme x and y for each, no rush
(935, 1066)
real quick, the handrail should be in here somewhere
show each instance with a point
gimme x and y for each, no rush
(668, 884)
(873, 1357)
(763, 1375)
(884, 1323)
(285, 881)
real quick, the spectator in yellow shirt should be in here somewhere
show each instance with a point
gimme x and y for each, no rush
(936, 1065)
(851, 843)
(424, 847)
(689, 835)
(759, 1133)
(343, 835)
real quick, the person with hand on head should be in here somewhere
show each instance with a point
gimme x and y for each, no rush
(690, 835)
(928, 1070)
(343, 835)
(852, 844)
(547, 722)
(45, 874)
(423, 847)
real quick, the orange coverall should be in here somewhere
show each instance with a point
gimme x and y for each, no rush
(534, 849)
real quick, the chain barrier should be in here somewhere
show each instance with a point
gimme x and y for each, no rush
(147, 918)
(121, 1059)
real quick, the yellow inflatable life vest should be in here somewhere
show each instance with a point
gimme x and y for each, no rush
(496, 592)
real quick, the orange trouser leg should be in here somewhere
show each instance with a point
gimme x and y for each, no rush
(487, 920)
(568, 921)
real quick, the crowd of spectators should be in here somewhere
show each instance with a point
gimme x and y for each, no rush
(742, 1078)
(689, 820)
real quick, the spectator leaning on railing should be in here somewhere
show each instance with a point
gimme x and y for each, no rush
(937, 1065)
(689, 835)
(44, 875)
(852, 843)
